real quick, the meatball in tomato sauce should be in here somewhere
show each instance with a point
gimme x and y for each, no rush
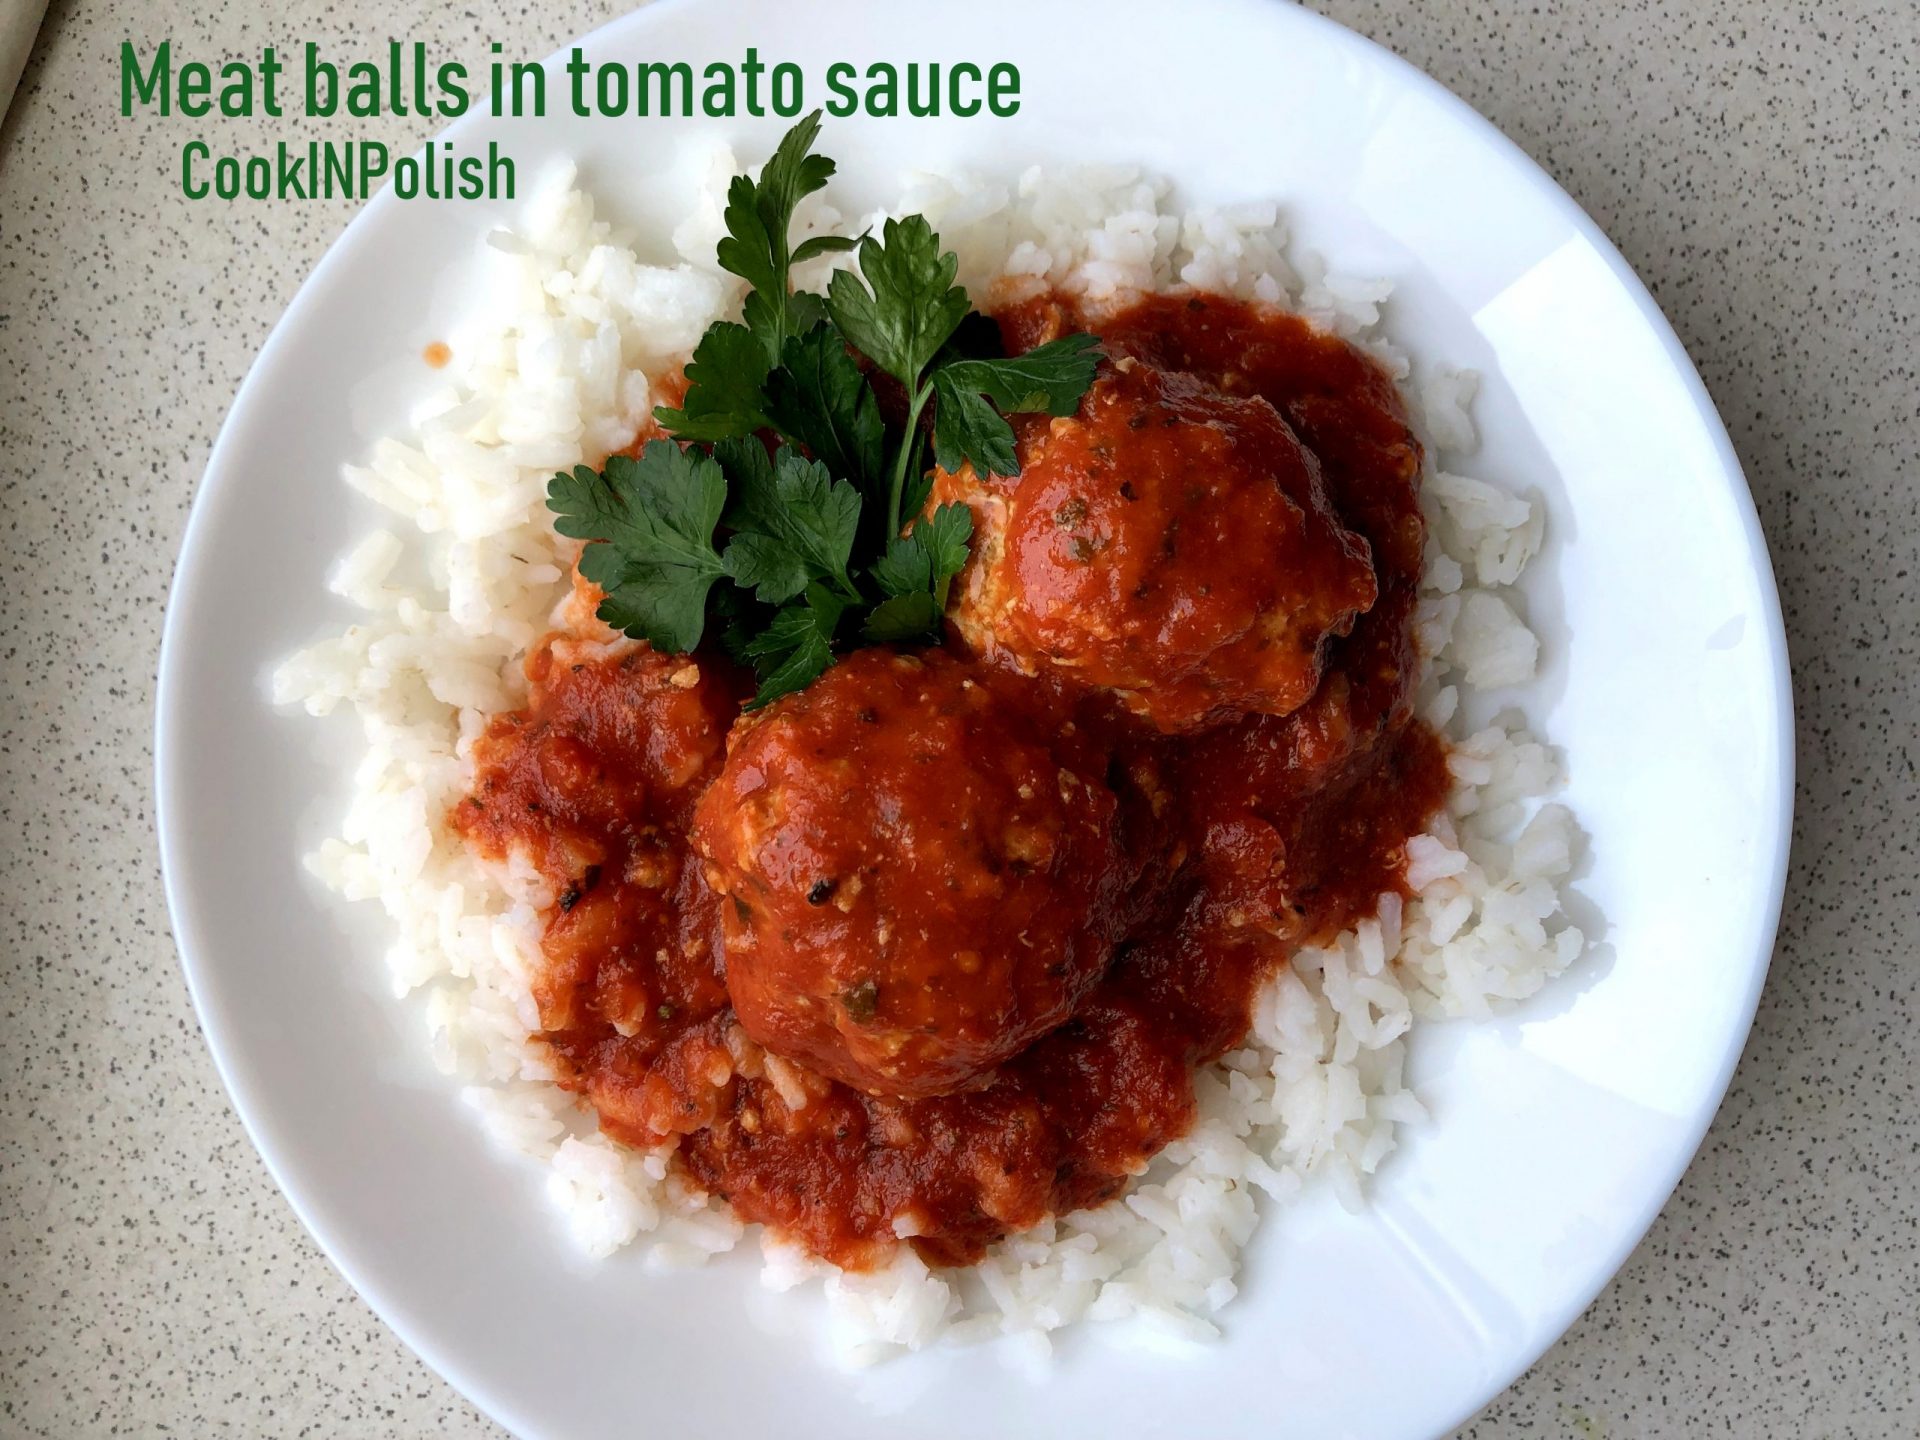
(918, 879)
(1121, 555)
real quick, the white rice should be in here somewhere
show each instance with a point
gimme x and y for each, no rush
(555, 372)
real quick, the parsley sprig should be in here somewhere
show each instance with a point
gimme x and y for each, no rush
(785, 511)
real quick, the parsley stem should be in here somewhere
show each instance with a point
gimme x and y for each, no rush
(909, 445)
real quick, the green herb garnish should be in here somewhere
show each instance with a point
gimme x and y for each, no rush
(656, 517)
(786, 511)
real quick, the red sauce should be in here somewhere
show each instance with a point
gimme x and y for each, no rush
(1196, 855)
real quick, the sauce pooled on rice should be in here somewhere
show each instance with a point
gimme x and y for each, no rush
(930, 950)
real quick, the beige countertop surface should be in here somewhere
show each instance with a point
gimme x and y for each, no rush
(1758, 163)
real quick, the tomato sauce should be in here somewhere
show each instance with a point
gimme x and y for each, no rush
(1233, 845)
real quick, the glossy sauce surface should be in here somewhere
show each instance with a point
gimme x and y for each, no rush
(1181, 868)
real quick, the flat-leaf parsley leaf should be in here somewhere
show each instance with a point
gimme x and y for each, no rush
(650, 525)
(793, 505)
(791, 652)
(1050, 379)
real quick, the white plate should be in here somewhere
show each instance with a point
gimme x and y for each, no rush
(1557, 1134)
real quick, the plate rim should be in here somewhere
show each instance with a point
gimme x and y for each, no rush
(218, 477)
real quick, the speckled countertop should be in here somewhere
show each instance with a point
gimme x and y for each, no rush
(1758, 162)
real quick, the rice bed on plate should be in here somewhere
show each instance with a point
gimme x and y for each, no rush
(576, 327)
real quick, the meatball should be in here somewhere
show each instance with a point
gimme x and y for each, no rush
(1118, 555)
(918, 884)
